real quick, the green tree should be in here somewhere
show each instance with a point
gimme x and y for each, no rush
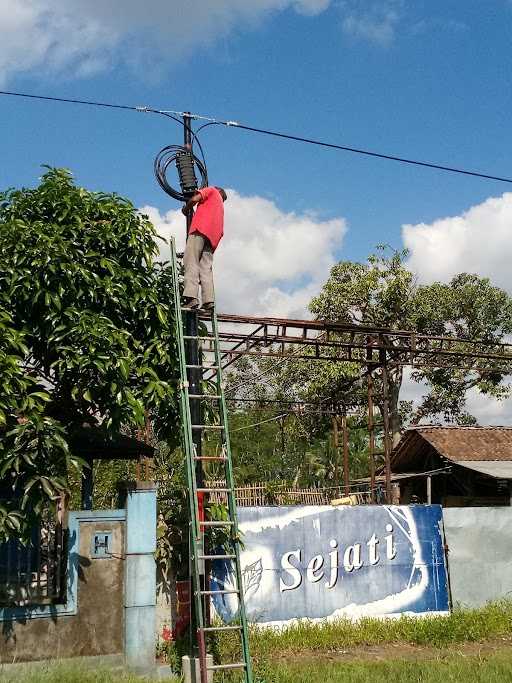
(384, 293)
(85, 332)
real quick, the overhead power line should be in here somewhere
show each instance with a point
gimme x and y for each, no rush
(377, 155)
(277, 134)
(71, 101)
(257, 424)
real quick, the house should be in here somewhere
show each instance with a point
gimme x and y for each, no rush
(455, 466)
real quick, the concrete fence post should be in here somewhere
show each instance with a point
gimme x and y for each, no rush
(140, 576)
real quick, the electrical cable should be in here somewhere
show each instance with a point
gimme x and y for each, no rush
(235, 124)
(280, 401)
(210, 123)
(72, 101)
(365, 152)
(171, 154)
(257, 424)
(165, 158)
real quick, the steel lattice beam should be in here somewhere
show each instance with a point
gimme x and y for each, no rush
(338, 342)
(374, 348)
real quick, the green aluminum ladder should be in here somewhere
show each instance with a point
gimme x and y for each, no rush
(199, 547)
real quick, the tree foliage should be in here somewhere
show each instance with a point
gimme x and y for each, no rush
(383, 292)
(85, 331)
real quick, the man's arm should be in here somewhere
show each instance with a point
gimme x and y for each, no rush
(195, 199)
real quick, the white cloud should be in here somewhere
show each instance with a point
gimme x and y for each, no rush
(269, 262)
(373, 21)
(478, 241)
(37, 33)
(486, 409)
(432, 23)
(80, 37)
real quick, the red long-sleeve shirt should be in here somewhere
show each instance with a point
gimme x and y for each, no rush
(209, 216)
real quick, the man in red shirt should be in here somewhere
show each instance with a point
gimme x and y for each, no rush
(205, 233)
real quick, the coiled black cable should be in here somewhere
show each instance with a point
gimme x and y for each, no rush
(166, 158)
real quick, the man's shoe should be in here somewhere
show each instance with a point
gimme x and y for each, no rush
(209, 306)
(191, 304)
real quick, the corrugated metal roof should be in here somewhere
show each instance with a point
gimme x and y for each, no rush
(403, 475)
(498, 468)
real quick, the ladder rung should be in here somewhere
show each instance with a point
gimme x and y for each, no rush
(216, 490)
(215, 523)
(220, 592)
(216, 557)
(221, 628)
(192, 336)
(197, 396)
(233, 665)
(203, 367)
(211, 457)
(207, 426)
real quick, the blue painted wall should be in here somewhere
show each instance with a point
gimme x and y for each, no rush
(140, 577)
(322, 562)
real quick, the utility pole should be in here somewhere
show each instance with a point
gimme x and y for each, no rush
(194, 358)
(192, 345)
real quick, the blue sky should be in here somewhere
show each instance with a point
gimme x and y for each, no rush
(428, 80)
(425, 79)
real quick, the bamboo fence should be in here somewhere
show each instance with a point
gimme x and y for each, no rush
(262, 494)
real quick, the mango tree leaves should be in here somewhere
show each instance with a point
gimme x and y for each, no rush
(85, 326)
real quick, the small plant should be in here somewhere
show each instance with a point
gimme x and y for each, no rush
(168, 650)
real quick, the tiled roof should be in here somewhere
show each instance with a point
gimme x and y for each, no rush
(470, 443)
(456, 444)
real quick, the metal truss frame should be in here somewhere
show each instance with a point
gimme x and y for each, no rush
(376, 349)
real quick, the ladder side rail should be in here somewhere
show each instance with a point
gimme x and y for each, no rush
(232, 506)
(184, 402)
(188, 444)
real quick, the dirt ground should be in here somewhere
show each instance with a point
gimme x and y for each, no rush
(401, 651)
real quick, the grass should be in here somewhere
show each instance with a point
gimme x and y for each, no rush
(66, 673)
(301, 652)
(461, 626)
(452, 669)
(309, 652)
(496, 669)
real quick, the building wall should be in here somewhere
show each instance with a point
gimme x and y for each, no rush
(91, 621)
(479, 544)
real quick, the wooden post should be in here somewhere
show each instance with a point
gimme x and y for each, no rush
(385, 419)
(429, 490)
(346, 474)
(281, 424)
(371, 437)
(335, 439)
